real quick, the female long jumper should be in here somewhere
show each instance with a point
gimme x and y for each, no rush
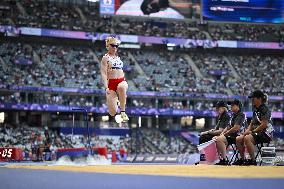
(114, 80)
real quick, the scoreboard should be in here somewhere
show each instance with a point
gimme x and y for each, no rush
(258, 11)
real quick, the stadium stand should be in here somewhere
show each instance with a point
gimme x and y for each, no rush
(78, 67)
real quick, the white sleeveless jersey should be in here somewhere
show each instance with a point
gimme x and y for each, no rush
(114, 62)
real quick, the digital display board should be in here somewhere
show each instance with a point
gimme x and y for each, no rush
(178, 9)
(258, 11)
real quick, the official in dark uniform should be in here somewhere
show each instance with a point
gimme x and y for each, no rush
(229, 134)
(260, 129)
(223, 121)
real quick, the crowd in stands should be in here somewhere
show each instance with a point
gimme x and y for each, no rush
(215, 72)
(45, 14)
(51, 66)
(246, 32)
(253, 67)
(76, 67)
(35, 140)
(162, 70)
(66, 100)
(167, 144)
(32, 140)
(14, 98)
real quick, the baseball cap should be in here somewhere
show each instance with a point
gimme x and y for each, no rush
(220, 104)
(257, 94)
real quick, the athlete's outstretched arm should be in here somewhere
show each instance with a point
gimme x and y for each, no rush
(104, 72)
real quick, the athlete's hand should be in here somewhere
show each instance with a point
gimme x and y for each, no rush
(107, 91)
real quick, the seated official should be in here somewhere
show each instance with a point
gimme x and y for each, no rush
(260, 129)
(223, 121)
(229, 134)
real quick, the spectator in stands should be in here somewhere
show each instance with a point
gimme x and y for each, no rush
(260, 129)
(223, 121)
(229, 134)
(114, 80)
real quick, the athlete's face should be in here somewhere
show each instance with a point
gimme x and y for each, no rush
(113, 47)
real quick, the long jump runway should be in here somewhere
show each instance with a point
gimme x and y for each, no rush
(140, 177)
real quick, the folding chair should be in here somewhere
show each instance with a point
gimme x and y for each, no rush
(259, 146)
(235, 152)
